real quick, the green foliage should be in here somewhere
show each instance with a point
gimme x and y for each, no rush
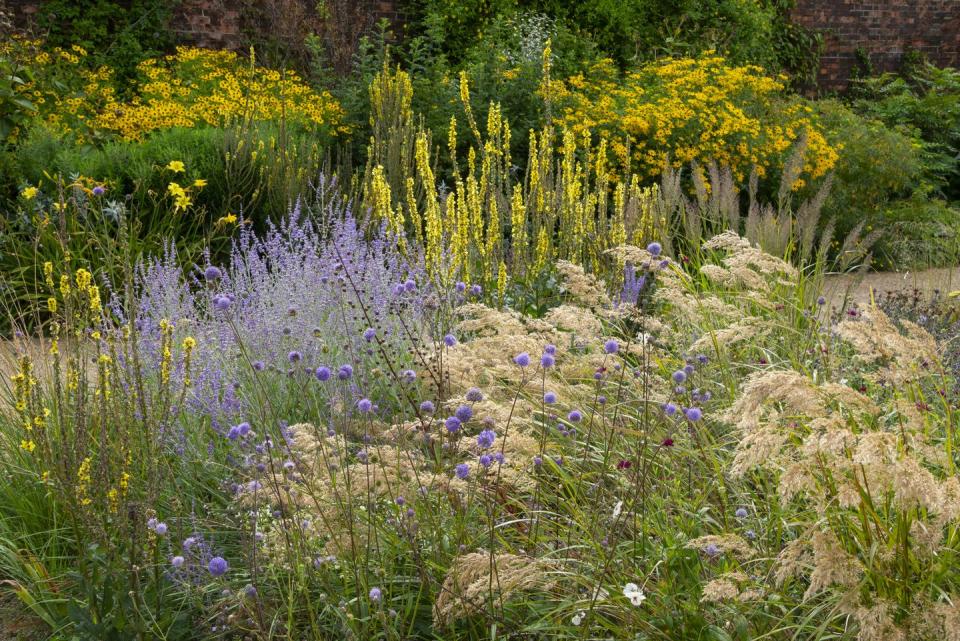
(15, 107)
(119, 34)
(918, 233)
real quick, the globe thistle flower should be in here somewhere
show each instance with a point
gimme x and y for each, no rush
(427, 407)
(702, 359)
(375, 595)
(462, 471)
(460, 287)
(575, 416)
(322, 373)
(679, 376)
(474, 395)
(161, 529)
(259, 366)
(654, 248)
(693, 414)
(398, 289)
(547, 361)
(741, 513)
(243, 428)
(250, 592)
(218, 566)
(99, 190)
(537, 461)
(408, 376)
(486, 460)
(410, 286)
(821, 301)
(294, 356)
(365, 405)
(476, 290)
(486, 439)
(345, 372)
(221, 303)
(449, 340)
(362, 456)
(550, 398)
(522, 359)
(400, 500)
(177, 561)
(152, 524)
(452, 424)
(550, 349)
(711, 550)
(499, 457)
(369, 334)
(212, 273)
(233, 433)
(611, 347)
(188, 543)
(464, 413)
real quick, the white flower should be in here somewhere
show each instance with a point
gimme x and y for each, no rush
(578, 617)
(617, 509)
(633, 592)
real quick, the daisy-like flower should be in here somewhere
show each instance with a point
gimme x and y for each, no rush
(633, 592)
(176, 166)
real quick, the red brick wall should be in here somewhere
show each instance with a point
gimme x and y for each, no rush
(883, 30)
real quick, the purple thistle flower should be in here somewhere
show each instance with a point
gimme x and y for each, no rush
(449, 340)
(99, 190)
(177, 561)
(486, 460)
(461, 287)
(369, 334)
(464, 413)
(408, 376)
(212, 273)
(669, 409)
(427, 407)
(345, 372)
(221, 303)
(486, 439)
(218, 566)
(474, 395)
(322, 373)
(375, 595)
(711, 550)
(654, 249)
(522, 359)
(399, 500)
(547, 361)
(294, 356)
(679, 376)
(233, 433)
(364, 405)
(462, 471)
(611, 347)
(259, 366)
(452, 424)
(574, 416)
(741, 513)
(538, 460)
(550, 398)
(693, 414)
(243, 428)
(161, 529)
(550, 349)
(410, 286)
(476, 290)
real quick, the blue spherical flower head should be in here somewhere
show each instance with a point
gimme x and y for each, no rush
(408, 376)
(452, 424)
(476, 290)
(294, 356)
(399, 500)
(410, 286)
(369, 334)
(398, 289)
(547, 361)
(99, 190)
(550, 398)
(669, 409)
(654, 248)
(221, 303)
(161, 529)
(233, 433)
(218, 566)
(461, 287)
(575, 416)
(375, 594)
(244, 428)
(711, 550)
(365, 405)
(464, 413)
(550, 349)
(741, 513)
(693, 413)
(212, 273)
(522, 359)
(486, 439)
(702, 359)
(427, 407)
(679, 376)
(449, 340)
(486, 460)
(474, 395)
(345, 372)
(323, 373)
(259, 366)
(611, 347)
(462, 471)
(177, 561)
(689, 370)
(821, 301)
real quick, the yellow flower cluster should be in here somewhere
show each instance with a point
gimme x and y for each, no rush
(205, 87)
(681, 110)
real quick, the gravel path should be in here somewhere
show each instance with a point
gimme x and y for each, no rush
(858, 287)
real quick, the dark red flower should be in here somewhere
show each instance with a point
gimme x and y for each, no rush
(667, 442)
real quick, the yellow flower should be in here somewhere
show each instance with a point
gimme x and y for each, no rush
(229, 219)
(175, 190)
(199, 182)
(176, 166)
(29, 193)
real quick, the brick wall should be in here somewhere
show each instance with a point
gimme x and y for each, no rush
(883, 30)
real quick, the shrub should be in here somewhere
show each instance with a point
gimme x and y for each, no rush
(918, 233)
(692, 109)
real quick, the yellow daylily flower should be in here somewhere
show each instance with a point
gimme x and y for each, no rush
(176, 166)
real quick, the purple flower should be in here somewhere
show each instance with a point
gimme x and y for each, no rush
(259, 366)
(177, 561)
(408, 376)
(464, 413)
(294, 356)
(461, 287)
(522, 359)
(375, 594)
(741, 513)
(654, 249)
(410, 286)
(538, 460)
(399, 500)
(485, 439)
(711, 550)
(449, 340)
(221, 303)
(452, 424)
(693, 413)
(575, 416)
(233, 433)
(161, 529)
(611, 347)
(369, 334)
(99, 190)
(218, 566)
(689, 370)
(243, 428)
(427, 407)
(547, 361)
(550, 349)
(486, 460)
(821, 301)
(212, 273)
(474, 395)
(669, 409)
(462, 471)
(550, 398)
(345, 372)
(476, 290)
(702, 359)
(364, 405)
(323, 373)
(679, 376)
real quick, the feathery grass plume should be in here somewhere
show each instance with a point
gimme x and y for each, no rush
(466, 589)
(722, 544)
(878, 341)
